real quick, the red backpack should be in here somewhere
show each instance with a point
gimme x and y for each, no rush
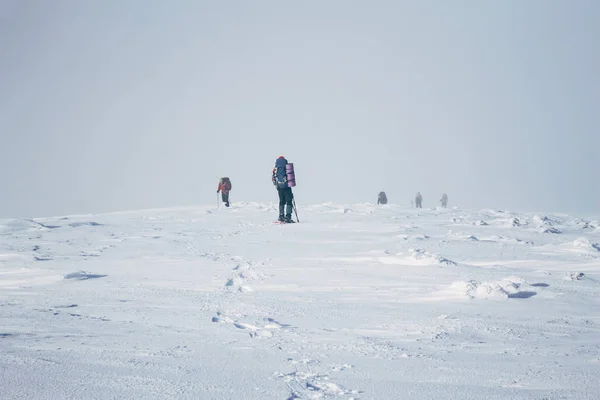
(225, 184)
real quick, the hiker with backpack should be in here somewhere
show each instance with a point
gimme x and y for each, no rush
(224, 187)
(284, 179)
(419, 200)
(444, 200)
(381, 198)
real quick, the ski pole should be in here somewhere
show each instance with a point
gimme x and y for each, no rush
(295, 210)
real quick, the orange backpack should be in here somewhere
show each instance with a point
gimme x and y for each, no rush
(226, 183)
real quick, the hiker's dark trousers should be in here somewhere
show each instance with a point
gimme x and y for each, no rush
(225, 198)
(285, 201)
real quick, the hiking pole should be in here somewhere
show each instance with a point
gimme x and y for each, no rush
(295, 210)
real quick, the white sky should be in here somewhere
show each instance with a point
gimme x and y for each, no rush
(112, 105)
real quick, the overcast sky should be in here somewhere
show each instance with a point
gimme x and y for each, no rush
(122, 104)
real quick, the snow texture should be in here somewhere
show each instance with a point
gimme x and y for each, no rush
(357, 301)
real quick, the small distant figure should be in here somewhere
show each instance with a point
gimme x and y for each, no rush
(419, 200)
(381, 198)
(224, 187)
(444, 200)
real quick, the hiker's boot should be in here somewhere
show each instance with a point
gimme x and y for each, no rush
(288, 219)
(281, 219)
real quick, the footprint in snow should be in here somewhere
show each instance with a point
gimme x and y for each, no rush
(242, 273)
(220, 318)
(310, 380)
(272, 324)
(574, 276)
(237, 284)
(241, 325)
(245, 289)
(235, 281)
(254, 330)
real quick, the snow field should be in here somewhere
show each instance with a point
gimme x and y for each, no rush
(355, 302)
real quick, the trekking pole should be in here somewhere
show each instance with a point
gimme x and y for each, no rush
(218, 207)
(295, 210)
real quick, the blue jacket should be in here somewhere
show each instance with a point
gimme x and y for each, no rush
(279, 173)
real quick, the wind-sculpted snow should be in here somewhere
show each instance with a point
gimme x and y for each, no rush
(81, 275)
(358, 301)
(586, 245)
(428, 258)
(503, 289)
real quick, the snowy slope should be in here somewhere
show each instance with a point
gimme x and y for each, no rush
(355, 302)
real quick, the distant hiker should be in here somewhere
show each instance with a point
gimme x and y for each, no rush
(282, 183)
(224, 187)
(381, 198)
(419, 200)
(444, 200)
